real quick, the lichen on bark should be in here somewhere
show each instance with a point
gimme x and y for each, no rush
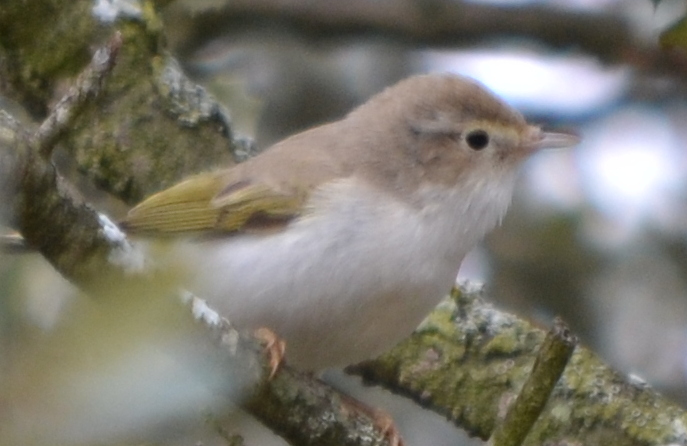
(450, 365)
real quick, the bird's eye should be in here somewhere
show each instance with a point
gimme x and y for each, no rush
(477, 139)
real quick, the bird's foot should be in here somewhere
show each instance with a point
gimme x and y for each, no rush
(386, 424)
(274, 347)
(381, 419)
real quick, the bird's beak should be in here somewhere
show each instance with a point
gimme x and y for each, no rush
(535, 139)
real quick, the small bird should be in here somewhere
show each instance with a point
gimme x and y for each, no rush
(342, 238)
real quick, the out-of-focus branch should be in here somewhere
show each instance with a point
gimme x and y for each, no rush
(87, 248)
(51, 217)
(87, 85)
(35, 54)
(442, 23)
(150, 126)
(439, 24)
(469, 361)
(81, 243)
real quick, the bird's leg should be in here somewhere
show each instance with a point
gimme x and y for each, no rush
(274, 346)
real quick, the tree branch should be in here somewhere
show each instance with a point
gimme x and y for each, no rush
(552, 358)
(88, 249)
(442, 23)
(468, 361)
(148, 127)
(295, 405)
(87, 85)
(81, 243)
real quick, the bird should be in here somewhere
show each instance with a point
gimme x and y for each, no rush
(341, 239)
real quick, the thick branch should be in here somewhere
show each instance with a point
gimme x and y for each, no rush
(468, 361)
(295, 405)
(444, 24)
(82, 244)
(87, 85)
(77, 240)
(150, 126)
(441, 23)
(87, 248)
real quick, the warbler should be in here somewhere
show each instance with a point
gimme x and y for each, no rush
(342, 238)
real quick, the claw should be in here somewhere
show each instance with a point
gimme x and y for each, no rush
(386, 425)
(275, 348)
(380, 418)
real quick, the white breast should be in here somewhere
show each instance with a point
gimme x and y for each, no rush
(351, 280)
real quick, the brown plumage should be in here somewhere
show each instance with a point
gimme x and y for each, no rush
(414, 123)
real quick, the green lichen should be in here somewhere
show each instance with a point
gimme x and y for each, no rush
(35, 57)
(472, 373)
(504, 344)
(134, 141)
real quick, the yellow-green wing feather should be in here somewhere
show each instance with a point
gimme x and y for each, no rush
(213, 202)
(243, 203)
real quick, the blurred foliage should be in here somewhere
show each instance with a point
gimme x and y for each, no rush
(119, 363)
(676, 35)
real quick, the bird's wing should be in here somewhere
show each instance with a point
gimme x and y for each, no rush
(215, 202)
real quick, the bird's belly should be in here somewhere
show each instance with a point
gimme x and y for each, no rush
(330, 313)
(336, 294)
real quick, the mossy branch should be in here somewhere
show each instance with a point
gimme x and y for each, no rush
(469, 361)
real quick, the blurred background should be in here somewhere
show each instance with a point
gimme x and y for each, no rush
(596, 234)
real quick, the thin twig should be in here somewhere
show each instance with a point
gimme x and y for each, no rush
(87, 86)
(552, 358)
